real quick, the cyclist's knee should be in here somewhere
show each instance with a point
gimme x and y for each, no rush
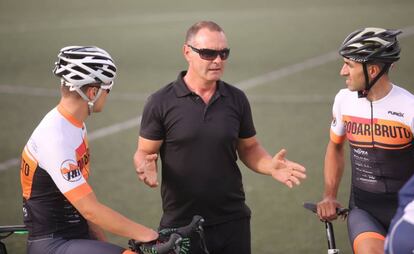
(369, 243)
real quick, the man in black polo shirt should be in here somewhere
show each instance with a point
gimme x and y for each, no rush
(199, 125)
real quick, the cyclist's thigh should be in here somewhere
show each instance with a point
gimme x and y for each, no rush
(362, 225)
(400, 238)
(72, 246)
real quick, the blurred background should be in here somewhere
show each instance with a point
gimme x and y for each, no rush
(283, 55)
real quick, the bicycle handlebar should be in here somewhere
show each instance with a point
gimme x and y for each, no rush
(6, 231)
(155, 246)
(169, 240)
(185, 231)
(340, 211)
(13, 228)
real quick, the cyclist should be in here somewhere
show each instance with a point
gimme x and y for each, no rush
(60, 210)
(377, 118)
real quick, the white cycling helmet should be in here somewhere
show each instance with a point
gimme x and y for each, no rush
(78, 66)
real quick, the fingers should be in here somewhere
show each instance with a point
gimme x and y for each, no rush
(296, 166)
(147, 171)
(326, 210)
(292, 181)
(295, 174)
(151, 157)
(151, 181)
(146, 163)
(280, 155)
(289, 183)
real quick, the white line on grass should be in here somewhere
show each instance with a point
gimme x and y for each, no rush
(307, 64)
(102, 132)
(99, 133)
(141, 97)
(53, 93)
(247, 84)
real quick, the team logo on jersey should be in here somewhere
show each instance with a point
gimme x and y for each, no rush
(82, 157)
(333, 123)
(25, 214)
(383, 133)
(361, 152)
(396, 113)
(70, 171)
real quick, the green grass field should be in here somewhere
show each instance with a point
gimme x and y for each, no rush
(145, 38)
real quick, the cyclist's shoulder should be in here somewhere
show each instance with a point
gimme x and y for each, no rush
(55, 133)
(403, 94)
(345, 95)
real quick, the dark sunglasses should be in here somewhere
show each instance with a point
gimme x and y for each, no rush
(211, 54)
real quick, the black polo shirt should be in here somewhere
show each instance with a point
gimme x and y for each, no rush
(199, 170)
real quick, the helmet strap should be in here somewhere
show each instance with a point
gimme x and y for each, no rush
(368, 84)
(91, 103)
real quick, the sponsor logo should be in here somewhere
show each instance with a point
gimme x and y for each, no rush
(396, 113)
(383, 130)
(360, 151)
(70, 171)
(25, 214)
(333, 123)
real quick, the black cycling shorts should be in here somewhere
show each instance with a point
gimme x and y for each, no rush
(362, 223)
(71, 246)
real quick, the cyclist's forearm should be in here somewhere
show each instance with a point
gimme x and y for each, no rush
(116, 223)
(333, 170)
(112, 221)
(96, 232)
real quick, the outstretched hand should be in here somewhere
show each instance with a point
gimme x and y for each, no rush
(287, 172)
(147, 171)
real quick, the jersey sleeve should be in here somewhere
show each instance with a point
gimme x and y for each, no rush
(337, 131)
(247, 129)
(60, 161)
(151, 121)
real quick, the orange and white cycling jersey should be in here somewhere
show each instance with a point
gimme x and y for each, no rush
(54, 170)
(380, 134)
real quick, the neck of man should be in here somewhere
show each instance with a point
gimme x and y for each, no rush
(77, 107)
(380, 89)
(203, 88)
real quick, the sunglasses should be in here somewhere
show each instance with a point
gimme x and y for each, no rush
(211, 54)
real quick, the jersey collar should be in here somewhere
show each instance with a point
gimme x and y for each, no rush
(181, 89)
(69, 116)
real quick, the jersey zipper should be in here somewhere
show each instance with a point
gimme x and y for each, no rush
(374, 154)
(372, 124)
